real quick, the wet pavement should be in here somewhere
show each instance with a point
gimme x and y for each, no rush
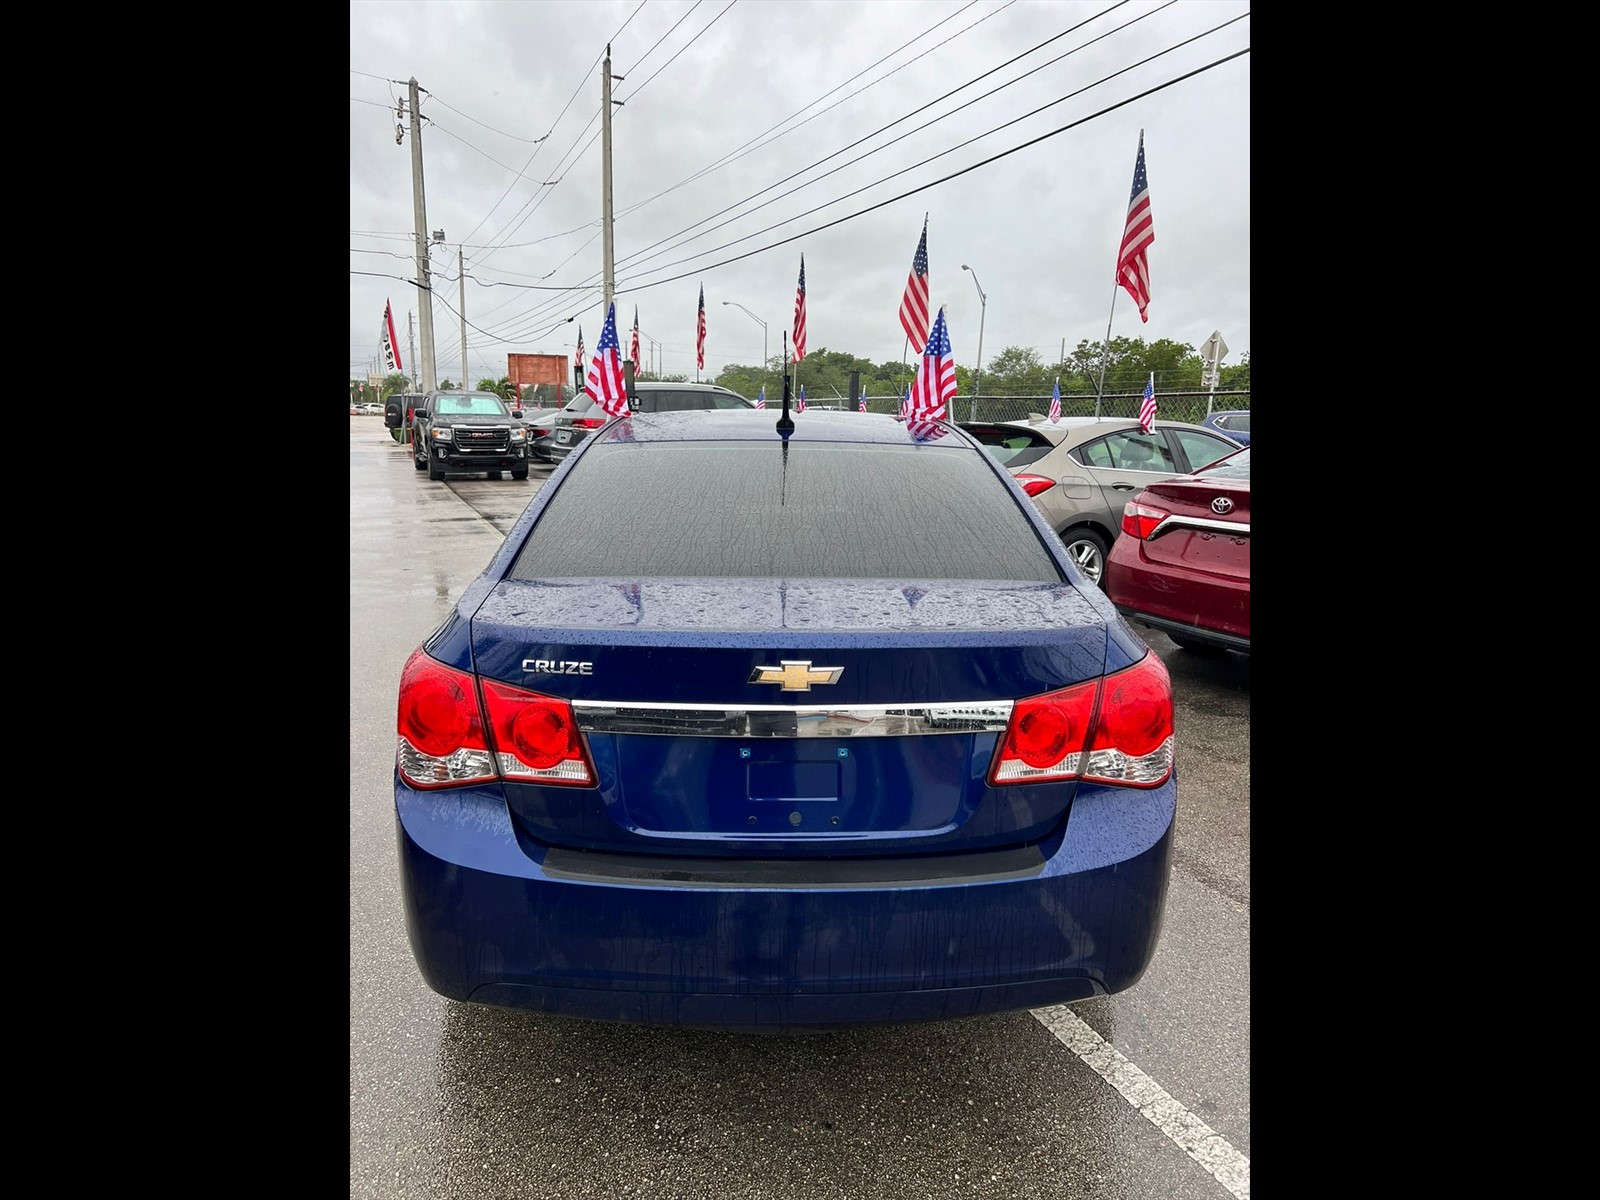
(1138, 1095)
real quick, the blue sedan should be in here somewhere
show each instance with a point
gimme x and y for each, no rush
(1234, 424)
(752, 728)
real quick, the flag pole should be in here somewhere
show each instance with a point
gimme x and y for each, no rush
(1099, 388)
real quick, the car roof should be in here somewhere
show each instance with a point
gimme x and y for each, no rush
(760, 424)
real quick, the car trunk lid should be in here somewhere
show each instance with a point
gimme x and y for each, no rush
(789, 718)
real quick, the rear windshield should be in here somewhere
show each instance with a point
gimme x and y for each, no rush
(745, 510)
(1012, 447)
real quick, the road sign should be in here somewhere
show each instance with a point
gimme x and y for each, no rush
(1214, 349)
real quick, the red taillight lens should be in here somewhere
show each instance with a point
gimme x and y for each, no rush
(591, 422)
(1046, 736)
(1060, 735)
(536, 737)
(1034, 484)
(1140, 520)
(443, 740)
(1135, 716)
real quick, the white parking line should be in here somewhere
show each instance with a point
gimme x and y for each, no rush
(1192, 1135)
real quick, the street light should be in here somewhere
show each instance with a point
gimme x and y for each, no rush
(759, 322)
(983, 311)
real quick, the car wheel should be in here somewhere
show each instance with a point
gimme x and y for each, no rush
(417, 460)
(519, 472)
(1087, 552)
(435, 470)
(1196, 646)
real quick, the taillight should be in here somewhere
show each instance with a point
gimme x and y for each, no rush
(445, 740)
(1113, 730)
(536, 736)
(1140, 520)
(1034, 484)
(591, 422)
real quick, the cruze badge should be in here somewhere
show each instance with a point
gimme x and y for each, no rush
(796, 676)
(1221, 506)
(550, 666)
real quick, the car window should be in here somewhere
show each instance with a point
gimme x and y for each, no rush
(1010, 446)
(1239, 421)
(1237, 466)
(1201, 448)
(936, 514)
(662, 400)
(1128, 450)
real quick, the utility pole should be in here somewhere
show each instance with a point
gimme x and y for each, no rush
(430, 377)
(411, 342)
(605, 176)
(461, 262)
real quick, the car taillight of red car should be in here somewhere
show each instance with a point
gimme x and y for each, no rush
(1140, 520)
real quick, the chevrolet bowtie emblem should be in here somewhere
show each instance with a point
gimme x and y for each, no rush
(796, 676)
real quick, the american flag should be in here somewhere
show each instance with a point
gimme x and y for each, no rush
(761, 398)
(604, 381)
(1133, 264)
(802, 407)
(935, 384)
(861, 405)
(914, 304)
(634, 352)
(905, 403)
(1055, 401)
(700, 334)
(578, 357)
(800, 315)
(1147, 410)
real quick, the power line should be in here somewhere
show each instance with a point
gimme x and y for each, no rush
(818, 208)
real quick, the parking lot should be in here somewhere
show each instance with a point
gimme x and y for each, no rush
(1142, 1094)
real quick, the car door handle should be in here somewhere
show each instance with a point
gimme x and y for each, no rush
(1125, 487)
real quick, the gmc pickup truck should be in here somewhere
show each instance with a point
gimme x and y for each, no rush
(468, 431)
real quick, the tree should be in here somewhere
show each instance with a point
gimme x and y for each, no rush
(446, 386)
(500, 387)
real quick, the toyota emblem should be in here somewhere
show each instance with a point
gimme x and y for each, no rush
(1222, 506)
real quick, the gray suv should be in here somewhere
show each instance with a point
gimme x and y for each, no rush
(581, 414)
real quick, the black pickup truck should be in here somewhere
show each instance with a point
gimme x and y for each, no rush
(468, 431)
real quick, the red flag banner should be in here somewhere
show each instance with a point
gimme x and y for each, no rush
(391, 346)
(633, 351)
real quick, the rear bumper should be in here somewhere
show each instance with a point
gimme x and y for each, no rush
(1212, 608)
(496, 920)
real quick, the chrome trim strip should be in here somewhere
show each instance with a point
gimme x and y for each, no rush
(1174, 521)
(792, 721)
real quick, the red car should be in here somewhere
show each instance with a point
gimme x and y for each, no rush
(1182, 561)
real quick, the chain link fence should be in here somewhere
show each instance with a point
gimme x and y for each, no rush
(1170, 406)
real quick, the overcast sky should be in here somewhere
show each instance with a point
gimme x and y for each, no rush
(731, 106)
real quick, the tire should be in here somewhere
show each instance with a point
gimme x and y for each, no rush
(519, 472)
(435, 470)
(420, 463)
(1196, 646)
(1088, 553)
